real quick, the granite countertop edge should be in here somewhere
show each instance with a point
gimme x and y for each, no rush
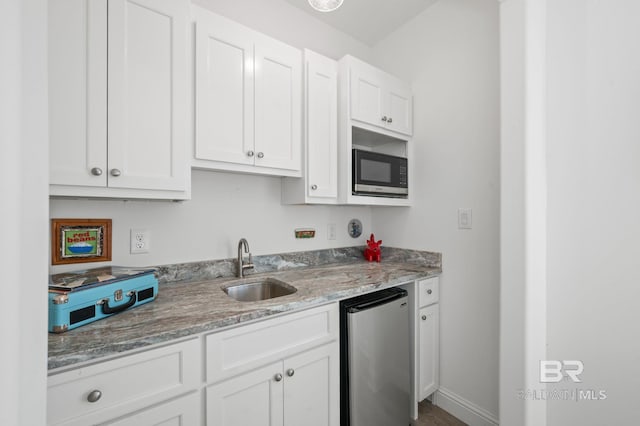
(188, 308)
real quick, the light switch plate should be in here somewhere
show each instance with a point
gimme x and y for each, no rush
(331, 231)
(465, 218)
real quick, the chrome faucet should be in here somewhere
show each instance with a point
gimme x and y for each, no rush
(241, 265)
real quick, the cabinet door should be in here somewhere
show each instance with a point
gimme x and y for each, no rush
(224, 90)
(429, 350)
(278, 104)
(400, 106)
(312, 387)
(78, 92)
(179, 412)
(321, 118)
(147, 57)
(367, 97)
(254, 398)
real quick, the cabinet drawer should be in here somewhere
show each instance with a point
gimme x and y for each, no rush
(234, 351)
(428, 291)
(124, 384)
(181, 411)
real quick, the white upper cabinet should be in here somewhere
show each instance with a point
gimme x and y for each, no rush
(367, 96)
(278, 99)
(375, 115)
(400, 111)
(248, 99)
(378, 98)
(148, 93)
(319, 183)
(118, 98)
(224, 85)
(78, 92)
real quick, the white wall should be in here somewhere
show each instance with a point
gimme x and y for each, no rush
(594, 194)
(225, 206)
(523, 212)
(23, 190)
(449, 53)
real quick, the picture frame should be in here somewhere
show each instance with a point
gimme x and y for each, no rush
(80, 241)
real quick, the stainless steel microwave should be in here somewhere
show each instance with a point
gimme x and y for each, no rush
(380, 175)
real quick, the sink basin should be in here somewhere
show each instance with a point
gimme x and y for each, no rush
(258, 289)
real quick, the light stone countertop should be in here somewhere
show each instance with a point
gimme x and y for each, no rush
(183, 309)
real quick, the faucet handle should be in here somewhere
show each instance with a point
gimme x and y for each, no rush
(249, 264)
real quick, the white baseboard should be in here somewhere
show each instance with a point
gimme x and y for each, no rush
(465, 410)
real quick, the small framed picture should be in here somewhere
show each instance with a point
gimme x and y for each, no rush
(80, 240)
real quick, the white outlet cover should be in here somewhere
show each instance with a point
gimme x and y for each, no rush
(140, 241)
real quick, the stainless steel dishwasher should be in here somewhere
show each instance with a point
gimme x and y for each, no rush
(374, 359)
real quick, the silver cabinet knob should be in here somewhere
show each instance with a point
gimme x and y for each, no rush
(277, 377)
(96, 171)
(429, 291)
(384, 118)
(390, 120)
(260, 155)
(94, 395)
(314, 187)
(291, 372)
(424, 318)
(249, 153)
(115, 172)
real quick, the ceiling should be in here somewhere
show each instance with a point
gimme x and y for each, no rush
(368, 20)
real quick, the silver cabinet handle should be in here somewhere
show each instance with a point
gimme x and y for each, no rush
(94, 395)
(277, 377)
(384, 118)
(424, 318)
(96, 171)
(429, 291)
(249, 153)
(390, 120)
(115, 172)
(291, 372)
(314, 187)
(260, 155)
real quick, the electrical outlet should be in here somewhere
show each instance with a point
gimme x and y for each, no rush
(331, 231)
(140, 241)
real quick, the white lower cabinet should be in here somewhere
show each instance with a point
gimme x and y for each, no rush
(108, 391)
(299, 390)
(429, 338)
(429, 347)
(282, 371)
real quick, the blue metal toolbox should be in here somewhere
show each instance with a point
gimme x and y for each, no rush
(81, 297)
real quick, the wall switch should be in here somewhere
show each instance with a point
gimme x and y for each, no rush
(331, 231)
(140, 241)
(464, 218)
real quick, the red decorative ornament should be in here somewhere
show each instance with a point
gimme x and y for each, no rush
(372, 252)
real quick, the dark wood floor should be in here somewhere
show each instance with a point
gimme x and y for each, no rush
(430, 415)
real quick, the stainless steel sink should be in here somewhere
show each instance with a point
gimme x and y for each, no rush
(258, 289)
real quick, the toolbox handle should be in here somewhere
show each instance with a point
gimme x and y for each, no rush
(106, 309)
